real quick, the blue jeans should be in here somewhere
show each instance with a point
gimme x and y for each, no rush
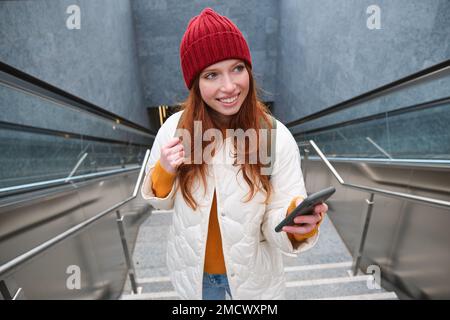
(215, 286)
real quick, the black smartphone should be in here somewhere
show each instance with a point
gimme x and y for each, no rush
(306, 206)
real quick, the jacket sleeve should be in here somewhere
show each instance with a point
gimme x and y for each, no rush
(162, 181)
(287, 182)
(147, 188)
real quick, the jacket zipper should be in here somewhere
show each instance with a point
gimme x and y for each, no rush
(205, 238)
(225, 258)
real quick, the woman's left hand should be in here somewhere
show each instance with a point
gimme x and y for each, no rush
(306, 223)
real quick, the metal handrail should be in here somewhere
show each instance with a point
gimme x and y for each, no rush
(47, 183)
(370, 202)
(5, 268)
(8, 267)
(376, 116)
(427, 200)
(414, 162)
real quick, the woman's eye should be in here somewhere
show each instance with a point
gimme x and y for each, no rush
(212, 75)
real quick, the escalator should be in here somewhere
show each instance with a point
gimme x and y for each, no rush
(65, 163)
(394, 162)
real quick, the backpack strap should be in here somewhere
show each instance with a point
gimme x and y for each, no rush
(272, 138)
(271, 141)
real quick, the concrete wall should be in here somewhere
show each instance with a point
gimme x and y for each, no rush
(160, 25)
(308, 55)
(97, 62)
(327, 54)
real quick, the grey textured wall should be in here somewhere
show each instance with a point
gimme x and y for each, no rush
(308, 54)
(98, 62)
(327, 54)
(160, 25)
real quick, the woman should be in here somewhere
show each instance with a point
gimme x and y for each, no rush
(222, 238)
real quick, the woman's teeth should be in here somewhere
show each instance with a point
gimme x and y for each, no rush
(229, 100)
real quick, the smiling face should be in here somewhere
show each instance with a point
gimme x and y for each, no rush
(224, 87)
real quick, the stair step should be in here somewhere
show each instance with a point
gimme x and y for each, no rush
(151, 275)
(156, 287)
(323, 288)
(172, 295)
(318, 271)
(328, 288)
(318, 266)
(154, 279)
(318, 282)
(369, 296)
(322, 273)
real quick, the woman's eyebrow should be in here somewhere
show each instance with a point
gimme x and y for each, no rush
(215, 70)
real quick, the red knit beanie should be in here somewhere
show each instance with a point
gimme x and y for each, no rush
(210, 38)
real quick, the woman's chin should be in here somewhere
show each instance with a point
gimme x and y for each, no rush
(225, 110)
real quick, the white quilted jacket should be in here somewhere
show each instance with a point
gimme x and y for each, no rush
(251, 248)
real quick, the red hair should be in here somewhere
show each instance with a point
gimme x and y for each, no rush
(248, 116)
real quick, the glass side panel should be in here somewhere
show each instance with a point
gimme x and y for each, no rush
(416, 135)
(42, 140)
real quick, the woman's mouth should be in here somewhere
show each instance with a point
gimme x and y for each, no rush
(229, 102)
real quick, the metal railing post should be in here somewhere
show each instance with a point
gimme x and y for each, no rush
(4, 291)
(360, 248)
(306, 163)
(126, 252)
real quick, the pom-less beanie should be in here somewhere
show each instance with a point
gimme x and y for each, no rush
(210, 38)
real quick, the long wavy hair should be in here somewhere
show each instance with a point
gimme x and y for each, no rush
(252, 111)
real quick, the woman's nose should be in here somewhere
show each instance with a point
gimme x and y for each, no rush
(228, 84)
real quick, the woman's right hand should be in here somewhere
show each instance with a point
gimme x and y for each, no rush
(172, 155)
